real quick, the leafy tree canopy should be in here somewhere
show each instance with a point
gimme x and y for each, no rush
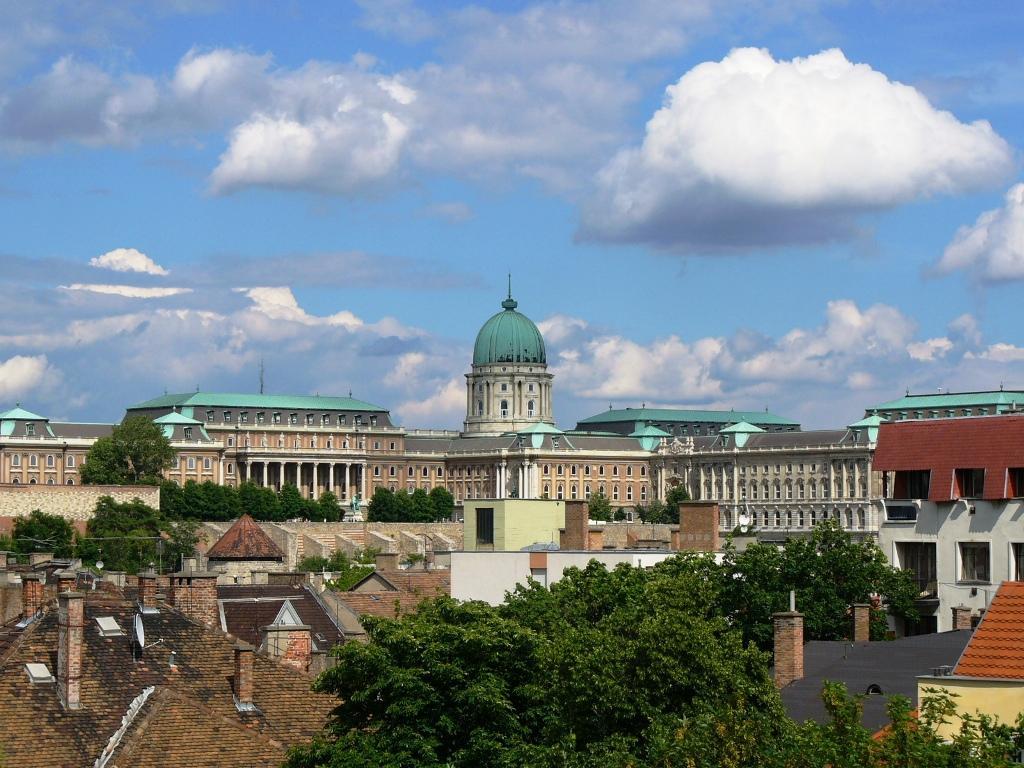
(136, 453)
(40, 532)
(387, 506)
(599, 507)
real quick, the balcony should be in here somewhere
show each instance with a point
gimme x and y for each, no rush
(901, 510)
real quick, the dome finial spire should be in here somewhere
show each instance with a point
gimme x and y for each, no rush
(509, 303)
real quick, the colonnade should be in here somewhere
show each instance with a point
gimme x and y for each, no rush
(344, 479)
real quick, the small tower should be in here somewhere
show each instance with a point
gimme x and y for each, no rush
(509, 386)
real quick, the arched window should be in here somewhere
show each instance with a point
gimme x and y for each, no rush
(560, 493)
(573, 492)
(643, 470)
(504, 409)
(479, 407)
(547, 491)
(70, 481)
(629, 493)
(586, 491)
(615, 492)
(547, 469)
(529, 408)
(643, 493)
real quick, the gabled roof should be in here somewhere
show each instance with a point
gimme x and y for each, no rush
(244, 608)
(997, 646)
(245, 540)
(649, 431)
(868, 421)
(176, 418)
(740, 427)
(540, 428)
(228, 400)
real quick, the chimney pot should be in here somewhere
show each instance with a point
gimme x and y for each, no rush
(961, 617)
(67, 581)
(386, 561)
(789, 647)
(70, 625)
(861, 623)
(147, 588)
(194, 593)
(244, 684)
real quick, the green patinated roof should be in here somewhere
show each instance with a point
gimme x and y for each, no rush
(509, 337)
(742, 427)
(540, 428)
(19, 413)
(953, 400)
(649, 431)
(687, 415)
(869, 421)
(284, 402)
(176, 418)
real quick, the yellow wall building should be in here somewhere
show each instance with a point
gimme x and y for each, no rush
(511, 524)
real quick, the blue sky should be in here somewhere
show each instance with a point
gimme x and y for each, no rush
(796, 205)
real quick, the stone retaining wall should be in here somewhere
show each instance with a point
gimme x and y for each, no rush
(74, 502)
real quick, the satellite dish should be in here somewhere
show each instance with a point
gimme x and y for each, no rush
(140, 631)
(744, 520)
(99, 564)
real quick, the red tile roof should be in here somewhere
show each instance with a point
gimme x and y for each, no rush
(997, 647)
(245, 540)
(992, 443)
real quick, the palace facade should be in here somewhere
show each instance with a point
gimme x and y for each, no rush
(764, 471)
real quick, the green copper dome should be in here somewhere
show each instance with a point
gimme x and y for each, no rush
(509, 337)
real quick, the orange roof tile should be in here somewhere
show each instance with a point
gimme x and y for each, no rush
(245, 540)
(997, 647)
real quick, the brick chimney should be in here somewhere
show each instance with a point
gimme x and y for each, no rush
(291, 643)
(789, 647)
(194, 593)
(3, 559)
(861, 623)
(147, 588)
(244, 684)
(698, 527)
(70, 625)
(31, 594)
(961, 617)
(576, 534)
(67, 581)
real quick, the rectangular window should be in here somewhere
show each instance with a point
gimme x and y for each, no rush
(243, 417)
(912, 484)
(919, 558)
(231, 442)
(277, 418)
(1016, 482)
(188, 433)
(293, 418)
(1018, 562)
(376, 445)
(260, 417)
(227, 416)
(974, 561)
(309, 419)
(342, 420)
(30, 429)
(970, 483)
(485, 526)
(209, 416)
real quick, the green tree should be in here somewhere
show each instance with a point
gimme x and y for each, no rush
(444, 503)
(41, 532)
(135, 453)
(656, 512)
(260, 503)
(829, 572)
(172, 500)
(328, 507)
(292, 504)
(386, 506)
(676, 495)
(129, 536)
(598, 506)
(420, 507)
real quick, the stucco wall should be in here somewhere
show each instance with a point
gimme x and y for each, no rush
(517, 522)
(1000, 698)
(74, 502)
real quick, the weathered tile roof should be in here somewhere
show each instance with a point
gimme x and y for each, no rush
(385, 604)
(37, 731)
(997, 647)
(245, 540)
(246, 608)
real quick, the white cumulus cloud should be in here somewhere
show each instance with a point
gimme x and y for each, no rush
(22, 374)
(992, 247)
(930, 349)
(127, 260)
(445, 405)
(752, 151)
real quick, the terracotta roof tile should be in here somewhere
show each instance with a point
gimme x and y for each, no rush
(245, 540)
(37, 731)
(385, 604)
(997, 647)
(248, 607)
(425, 583)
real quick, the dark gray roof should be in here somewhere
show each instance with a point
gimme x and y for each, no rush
(893, 665)
(71, 429)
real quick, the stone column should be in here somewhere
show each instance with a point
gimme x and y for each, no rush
(348, 480)
(362, 481)
(280, 468)
(315, 489)
(330, 478)
(266, 475)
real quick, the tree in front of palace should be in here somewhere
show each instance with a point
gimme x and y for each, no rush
(128, 536)
(443, 503)
(598, 506)
(676, 495)
(41, 532)
(135, 453)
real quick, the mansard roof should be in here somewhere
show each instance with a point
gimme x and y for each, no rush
(284, 402)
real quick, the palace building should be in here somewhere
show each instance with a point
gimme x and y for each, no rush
(765, 473)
